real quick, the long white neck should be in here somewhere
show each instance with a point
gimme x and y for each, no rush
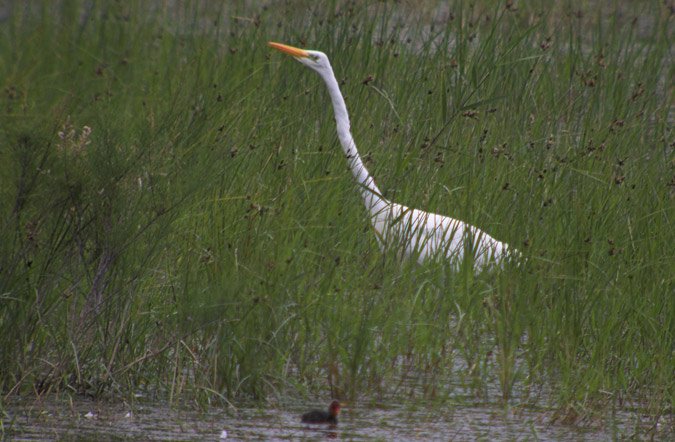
(372, 197)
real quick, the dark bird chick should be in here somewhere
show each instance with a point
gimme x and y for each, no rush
(323, 417)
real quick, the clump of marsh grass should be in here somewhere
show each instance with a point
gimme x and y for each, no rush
(203, 240)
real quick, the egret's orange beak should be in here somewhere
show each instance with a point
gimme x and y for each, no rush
(290, 50)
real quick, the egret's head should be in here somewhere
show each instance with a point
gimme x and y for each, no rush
(315, 60)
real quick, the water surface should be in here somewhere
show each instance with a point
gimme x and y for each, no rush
(63, 419)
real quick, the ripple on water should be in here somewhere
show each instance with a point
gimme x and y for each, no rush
(104, 421)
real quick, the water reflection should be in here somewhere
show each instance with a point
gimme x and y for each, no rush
(26, 420)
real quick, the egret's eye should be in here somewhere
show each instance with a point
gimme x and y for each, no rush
(314, 57)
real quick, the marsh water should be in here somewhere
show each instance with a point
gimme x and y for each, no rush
(63, 419)
(455, 419)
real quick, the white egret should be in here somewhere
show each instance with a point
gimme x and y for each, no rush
(410, 232)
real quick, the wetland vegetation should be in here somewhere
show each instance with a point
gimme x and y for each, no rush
(178, 221)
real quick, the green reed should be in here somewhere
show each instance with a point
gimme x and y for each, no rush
(203, 238)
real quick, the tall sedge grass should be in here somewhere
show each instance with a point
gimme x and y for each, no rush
(178, 217)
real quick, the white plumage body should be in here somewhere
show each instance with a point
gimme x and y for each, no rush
(425, 236)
